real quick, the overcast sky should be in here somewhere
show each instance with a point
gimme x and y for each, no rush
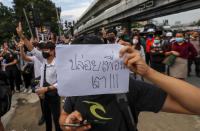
(72, 10)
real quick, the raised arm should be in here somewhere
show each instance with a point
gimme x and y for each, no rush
(52, 38)
(182, 96)
(4, 50)
(28, 44)
(23, 55)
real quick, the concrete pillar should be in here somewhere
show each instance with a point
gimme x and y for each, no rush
(127, 25)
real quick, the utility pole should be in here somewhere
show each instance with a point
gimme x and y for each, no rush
(58, 22)
(36, 30)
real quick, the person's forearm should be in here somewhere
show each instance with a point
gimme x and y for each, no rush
(11, 63)
(27, 42)
(168, 53)
(1, 58)
(2, 53)
(24, 56)
(53, 87)
(184, 93)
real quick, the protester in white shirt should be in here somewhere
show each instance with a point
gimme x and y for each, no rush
(48, 83)
(37, 72)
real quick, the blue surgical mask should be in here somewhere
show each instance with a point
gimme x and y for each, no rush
(179, 39)
(156, 41)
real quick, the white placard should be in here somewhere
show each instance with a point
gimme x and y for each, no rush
(91, 70)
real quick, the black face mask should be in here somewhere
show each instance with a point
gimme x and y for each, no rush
(151, 35)
(111, 39)
(45, 55)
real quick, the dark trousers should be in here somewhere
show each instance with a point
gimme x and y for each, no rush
(13, 75)
(1, 126)
(197, 65)
(52, 108)
(27, 79)
(42, 106)
(148, 58)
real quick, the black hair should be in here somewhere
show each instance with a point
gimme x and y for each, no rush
(88, 39)
(112, 31)
(49, 45)
(40, 46)
(138, 45)
(158, 36)
(180, 32)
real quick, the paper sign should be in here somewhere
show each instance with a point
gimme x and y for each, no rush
(91, 70)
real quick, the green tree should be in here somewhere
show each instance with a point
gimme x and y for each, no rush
(7, 28)
(198, 22)
(47, 9)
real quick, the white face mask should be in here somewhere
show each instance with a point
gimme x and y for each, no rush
(135, 41)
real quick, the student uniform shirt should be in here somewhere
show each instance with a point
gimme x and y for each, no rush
(37, 66)
(105, 110)
(51, 74)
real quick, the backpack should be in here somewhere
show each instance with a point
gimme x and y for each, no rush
(5, 96)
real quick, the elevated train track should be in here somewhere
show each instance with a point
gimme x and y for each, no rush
(128, 11)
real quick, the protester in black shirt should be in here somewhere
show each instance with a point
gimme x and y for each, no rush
(157, 55)
(103, 111)
(141, 96)
(12, 70)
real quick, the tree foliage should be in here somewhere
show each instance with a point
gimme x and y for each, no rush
(198, 22)
(7, 28)
(47, 9)
(9, 17)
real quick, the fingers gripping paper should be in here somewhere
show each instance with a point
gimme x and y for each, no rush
(90, 70)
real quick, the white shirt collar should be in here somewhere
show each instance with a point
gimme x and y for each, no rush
(51, 64)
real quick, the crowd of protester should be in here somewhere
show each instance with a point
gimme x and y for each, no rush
(28, 66)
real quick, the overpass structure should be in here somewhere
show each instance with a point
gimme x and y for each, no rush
(110, 13)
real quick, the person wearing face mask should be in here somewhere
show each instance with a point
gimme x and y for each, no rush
(111, 36)
(149, 43)
(168, 39)
(11, 69)
(137, 45)
(196, 43)
(157, 55)
(183, 50)
(48, 81)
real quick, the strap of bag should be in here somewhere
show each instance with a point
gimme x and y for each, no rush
(45, 68)
(172, 46)
(126, 110)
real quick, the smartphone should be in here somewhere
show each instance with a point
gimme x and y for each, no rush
(75, 125)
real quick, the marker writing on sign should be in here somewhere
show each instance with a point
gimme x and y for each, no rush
(111, 81)
(79, 63)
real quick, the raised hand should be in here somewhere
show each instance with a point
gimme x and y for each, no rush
(134, 61)
(21, 44)
(19, 29)
(5, 46)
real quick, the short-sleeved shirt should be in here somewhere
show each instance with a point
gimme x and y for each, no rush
(10, 57)
(37, 66)
(142, 97)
